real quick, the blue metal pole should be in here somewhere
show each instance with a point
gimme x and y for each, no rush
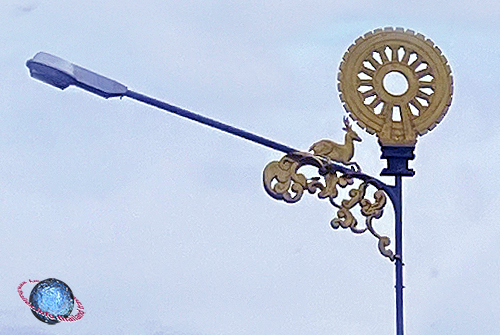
(210, 122)
(399, 254)
(397, 165)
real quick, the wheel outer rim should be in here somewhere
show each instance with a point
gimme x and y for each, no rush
(352, 64)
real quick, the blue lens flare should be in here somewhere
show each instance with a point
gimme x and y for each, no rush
(54, 297)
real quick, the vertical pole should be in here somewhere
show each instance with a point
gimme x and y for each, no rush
(397, 165)
(399, 255)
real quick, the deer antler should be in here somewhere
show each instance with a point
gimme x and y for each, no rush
(346, 123)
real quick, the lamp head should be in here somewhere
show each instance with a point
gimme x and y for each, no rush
(60, 73)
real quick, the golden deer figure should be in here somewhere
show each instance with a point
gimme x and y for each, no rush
(341, 153)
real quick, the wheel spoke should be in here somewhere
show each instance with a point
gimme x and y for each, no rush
(373, 61)
(387, 111)
(406, 113)
(367, 71)
(382, 54)
(417, 105)
(422, 73)
(424, 96)
(406, 57)
(417, 62)
(427, 84)
(364, 82)
(394, 54)
(369, 93)
(375, 103)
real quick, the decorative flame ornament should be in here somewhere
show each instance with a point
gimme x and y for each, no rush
(396, 117)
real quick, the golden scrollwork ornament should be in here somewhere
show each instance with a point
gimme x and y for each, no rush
(396, 117)
(283, 181)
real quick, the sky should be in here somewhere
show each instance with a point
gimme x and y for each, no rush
(162, 226)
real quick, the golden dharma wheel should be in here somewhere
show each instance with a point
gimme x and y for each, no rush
(417, 105)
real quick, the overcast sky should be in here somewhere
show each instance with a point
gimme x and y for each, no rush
(162, 226)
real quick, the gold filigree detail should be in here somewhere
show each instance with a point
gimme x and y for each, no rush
(288, 184)
(282, 181)
(369, 210)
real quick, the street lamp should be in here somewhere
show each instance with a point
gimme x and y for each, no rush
(60, 73)
(397, 117)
